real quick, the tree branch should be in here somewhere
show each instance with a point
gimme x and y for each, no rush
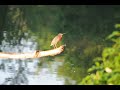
(36, 54)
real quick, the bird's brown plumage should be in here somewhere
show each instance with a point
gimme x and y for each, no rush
(56, 40)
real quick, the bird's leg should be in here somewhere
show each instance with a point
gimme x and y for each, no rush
(55, 45)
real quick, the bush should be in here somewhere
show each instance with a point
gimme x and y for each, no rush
(106, 69)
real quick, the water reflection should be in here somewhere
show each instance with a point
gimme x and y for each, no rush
(26, 71)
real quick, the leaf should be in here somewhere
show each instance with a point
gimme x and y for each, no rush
(117, 25)
(97, 59)
(115, 33)
(97, 63)
(107, 52)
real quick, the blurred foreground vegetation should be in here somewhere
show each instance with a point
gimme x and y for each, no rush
(105, 70)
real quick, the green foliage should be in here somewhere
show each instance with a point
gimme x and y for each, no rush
(77, 61)
(117, 25)
(106, 69)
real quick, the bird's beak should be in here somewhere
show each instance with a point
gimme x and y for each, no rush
(64, 33)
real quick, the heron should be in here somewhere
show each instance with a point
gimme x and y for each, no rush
(56, 39)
